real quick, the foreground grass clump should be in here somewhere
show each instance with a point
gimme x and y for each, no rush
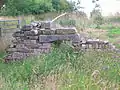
(63, 69)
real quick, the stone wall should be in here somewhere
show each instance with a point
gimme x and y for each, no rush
(36, 38)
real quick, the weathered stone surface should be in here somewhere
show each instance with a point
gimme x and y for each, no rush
(51, 38)
(22, 50)
(20, 46)
(45, 46)
(17, 46)
(17, 41)
(18, 34)
(33, 32)
(29, 42)
(48, 38)
(46, 32)
(63, 31)
(16, 56)
(31, 38)
(40, 51)
(33, 46)
(38, 45)
(46, 24)
(35, 24)
(26, 28)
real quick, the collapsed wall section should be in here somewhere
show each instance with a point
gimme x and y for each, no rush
(36, 38)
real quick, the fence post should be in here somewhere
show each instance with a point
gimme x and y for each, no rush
(18, 26)
(0, 32)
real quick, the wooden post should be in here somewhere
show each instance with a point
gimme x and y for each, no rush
(0, 32)
(18, 25)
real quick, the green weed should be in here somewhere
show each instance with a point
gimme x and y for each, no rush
(64, 70)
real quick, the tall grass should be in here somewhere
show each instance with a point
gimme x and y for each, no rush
(63, 69)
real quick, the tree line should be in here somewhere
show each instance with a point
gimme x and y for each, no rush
(19, 7)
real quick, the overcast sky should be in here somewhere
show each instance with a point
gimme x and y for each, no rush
(108, 6)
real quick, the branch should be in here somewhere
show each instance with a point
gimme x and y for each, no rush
(58, 17)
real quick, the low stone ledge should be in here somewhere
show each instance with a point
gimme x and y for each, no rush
(64, 31)
(26, 28)
(51, 38)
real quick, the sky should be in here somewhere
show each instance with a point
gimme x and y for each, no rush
(108, 6)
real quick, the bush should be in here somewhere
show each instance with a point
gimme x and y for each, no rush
(20, 7)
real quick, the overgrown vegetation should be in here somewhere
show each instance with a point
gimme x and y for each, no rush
(63, 69)
(20, 7)
(114, 32)
(96, 15)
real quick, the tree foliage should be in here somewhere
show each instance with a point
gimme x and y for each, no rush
(18, 7)
(96, 14)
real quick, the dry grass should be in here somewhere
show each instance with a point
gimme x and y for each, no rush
(96, 33)
(3, 44)
(62, 69)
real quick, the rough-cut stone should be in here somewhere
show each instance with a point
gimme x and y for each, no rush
(46, 24)
(29, 41)
(26, 28)
(20, 45)
(31, 37)
(18, 34)
(24, 50)
(33, 32)
(51, 38)
(17, 41)
(38, 45)
(46, 31)
(33, 46)
(16, 56)
(63, 31)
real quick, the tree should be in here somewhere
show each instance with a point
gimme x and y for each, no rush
(56, 4)
(19, 7)
(96, 14)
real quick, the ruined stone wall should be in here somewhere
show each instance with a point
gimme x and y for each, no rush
(36, 38)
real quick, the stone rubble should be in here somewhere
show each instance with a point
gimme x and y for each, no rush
(36, 38)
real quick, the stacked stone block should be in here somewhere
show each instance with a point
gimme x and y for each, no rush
(36, 38)
(26, 43)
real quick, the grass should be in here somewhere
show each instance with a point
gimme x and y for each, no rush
(62, 69)
(114, 36)
(114, 32)
(107, 32)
